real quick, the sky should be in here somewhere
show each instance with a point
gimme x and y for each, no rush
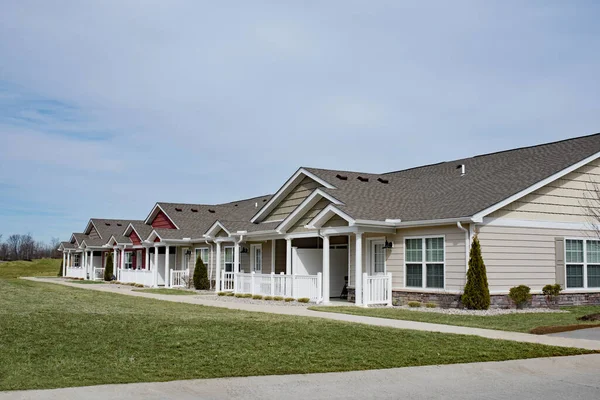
(107, 107)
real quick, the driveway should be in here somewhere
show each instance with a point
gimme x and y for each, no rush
(543, 378)
(589, 334)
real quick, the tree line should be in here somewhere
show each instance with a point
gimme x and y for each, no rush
(24, 247)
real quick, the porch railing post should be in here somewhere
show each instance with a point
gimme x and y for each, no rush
(252, 283)
(366, 291)
(389, 289)
(319, 287)
(235, 281)
(272, 284)
(293, 288)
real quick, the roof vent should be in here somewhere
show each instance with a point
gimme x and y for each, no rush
(194, 210)
(210, 210)
(255, 205)
(177, 209)
(462, 168)
(383, 180)
(107, 223)
(363, 179)
(235, 205)
(342, 177)
(119, 224)
(264, 200)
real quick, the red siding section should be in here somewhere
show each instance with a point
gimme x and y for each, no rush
(156, 240)
(162, 222)
(135, 238)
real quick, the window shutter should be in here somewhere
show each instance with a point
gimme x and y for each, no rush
(559, 256)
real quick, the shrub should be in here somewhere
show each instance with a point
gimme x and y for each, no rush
(257, 297)
(221, 294)
(278, 298)
(303, 300)
(239, 295)
(138, 285)
(551, 290)
(288, 299)
(520, 295)
(108, 268)
(268, 298)
(60, 271)
(414, 304)
(201, 281)
(476, 295)
(247, 295)
(230, 294)
(396, 302)
(431, 305)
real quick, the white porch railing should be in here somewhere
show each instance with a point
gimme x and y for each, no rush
(377, 289)
(98, 274)
(296, 286)
(141, 276)
(226, 281)
(179, 278)
(76, 272)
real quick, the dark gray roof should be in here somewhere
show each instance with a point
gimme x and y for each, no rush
(80, 237)
(112, 227)
(194, 224)
(68, 245)
(439, 191)
(143, 230)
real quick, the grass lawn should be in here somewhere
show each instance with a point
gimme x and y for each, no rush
(43, 267)
(58, 336)
(507, 322)
(176, 292)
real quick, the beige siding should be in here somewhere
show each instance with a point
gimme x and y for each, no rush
(292, 200)
(335, 221)
(564, 200)
(94, 234)
(266, 257)
(310, 214)
(521, 256)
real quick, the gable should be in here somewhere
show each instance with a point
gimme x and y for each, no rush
(293, 200)
(161, 221)
(94, 233)
(564, 200)
(335, 221)
(135, 239)
(299, 226)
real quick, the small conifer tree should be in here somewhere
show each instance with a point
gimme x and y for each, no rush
(476, 295)
(108, 268)
(201, 276)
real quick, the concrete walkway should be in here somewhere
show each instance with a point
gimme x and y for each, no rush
(588, 333)
(540, 378)
(304, 312)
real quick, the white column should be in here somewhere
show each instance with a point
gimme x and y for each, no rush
(167, 269)
(147, 258)
(325, 269)
(115, 262)
(92, 264)
(84, 262)
(64, 272)
(288, 256)
(358, 270)
(273, 244)
(122, 261)
(218, 267)
(155, 269)
(236, 257)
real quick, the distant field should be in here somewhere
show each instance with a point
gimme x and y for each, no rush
(43, 267)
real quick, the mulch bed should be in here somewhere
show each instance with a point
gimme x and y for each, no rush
(544, 330)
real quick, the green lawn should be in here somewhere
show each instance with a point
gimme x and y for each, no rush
(58, 336)
(507, 322)
(43, 267)
(176, 292)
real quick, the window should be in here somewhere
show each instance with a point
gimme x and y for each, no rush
(203, 254)
(76, 259)
(128, 260)
(256, 258)
(377, 257)
(582, 263)
(425, 261)
(228, 259)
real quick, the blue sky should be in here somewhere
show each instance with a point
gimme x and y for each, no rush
(109, 106)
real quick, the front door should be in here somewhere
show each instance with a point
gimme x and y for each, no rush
(377, 266)
(228, 259)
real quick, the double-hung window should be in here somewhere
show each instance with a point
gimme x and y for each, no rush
(256, 258)
(203, 254)
(425, 262)
(128, 260)
(228, 259)
(76, 259)
(582, 263)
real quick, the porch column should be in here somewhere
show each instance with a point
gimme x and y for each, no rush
(64, 266)
(68, 259)
(236, 257)
(92, 264)
(84, 263)
(122, 260)
(218, 267)
(147, 258)
(288, 256)
(325, 269)
(273, 256)
(358, 270)
(115, 262)
(155, 268)
(167, 270)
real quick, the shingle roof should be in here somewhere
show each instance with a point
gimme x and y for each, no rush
(80, 237)
(439, 191)
(112, 227)
(143, 230)
(68, 245)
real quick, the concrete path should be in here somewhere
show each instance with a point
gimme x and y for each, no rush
(588, 333)
(304, 312)
(541, 378)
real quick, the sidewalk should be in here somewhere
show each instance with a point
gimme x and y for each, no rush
(303, 312)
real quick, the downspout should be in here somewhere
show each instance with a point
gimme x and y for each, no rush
(467, 244)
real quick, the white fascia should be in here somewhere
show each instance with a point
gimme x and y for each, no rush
(86, 232)
(325, 214)
(306, 205)
(157, 206)
(153, 235)
(286, 188)
(479, 216)
(214, 229)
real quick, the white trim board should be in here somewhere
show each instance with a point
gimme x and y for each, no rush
(305, 206)
(326, 214)
(164, 212)
(517, 223)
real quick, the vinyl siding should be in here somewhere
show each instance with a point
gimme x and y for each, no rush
(292, 200)
(161, 221)
(94, 234)
(135, 239)
(521, 256)
(563, 200)
(335, 221)
(309, 215)
(266, 257)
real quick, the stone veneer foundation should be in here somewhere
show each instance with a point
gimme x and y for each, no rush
(448, 300)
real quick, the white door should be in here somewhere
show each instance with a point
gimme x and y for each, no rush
(377, 258)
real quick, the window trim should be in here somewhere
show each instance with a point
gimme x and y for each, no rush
(232, 258)
(369, 259)
(139, 260)
(585, 264)
(76, 261)
(201, 248)
(253, 248)
(423, 263)
(128, 254)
